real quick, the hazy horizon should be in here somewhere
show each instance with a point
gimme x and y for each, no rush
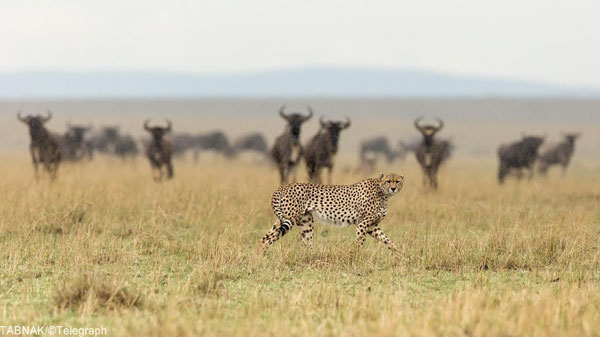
(316, 82)
(540, 41)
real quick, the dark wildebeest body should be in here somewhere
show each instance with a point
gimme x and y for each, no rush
(560, 154)
(372, 150)
(376, 146)
(158, 150)
(181, 143)
(44, 146)
(322, 148)
(106, 140)
(213, 141)
(126, 147)
(287, 150)
(255, 142)
(518, 155)
(112, 142)
(430, 152)
(74, 146)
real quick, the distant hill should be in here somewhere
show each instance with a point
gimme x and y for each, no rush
(306, 82)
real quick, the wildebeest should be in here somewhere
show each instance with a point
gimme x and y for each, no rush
(376, 146)
(74, 146)
(431, 153)
(44, 146)
(559, 154)
(372, 149)
(287, 150)
(213, 141)
(126, 147)
(322, 148)
(158, 150)
(518, 155)
(111, 141)
(255, 142)
(106, 140)
(181, 143)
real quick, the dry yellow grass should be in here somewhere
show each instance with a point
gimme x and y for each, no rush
(105, 246)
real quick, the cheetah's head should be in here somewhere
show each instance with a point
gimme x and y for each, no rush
(391, 183)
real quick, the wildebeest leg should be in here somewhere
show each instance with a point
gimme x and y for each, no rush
(282, 174)
(306, 228)
(169, 170)
(543, 168)
(433, 177)
(317, 176)
(35, 160)
(329, 178)
(425, 175)
(279, 229)
(156, 169)
(53, 169)
(294, 173)
(379, 235)
(311, 170)
(502, 170)
(531, 169)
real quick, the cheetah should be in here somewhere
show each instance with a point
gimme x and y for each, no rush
(363, 204)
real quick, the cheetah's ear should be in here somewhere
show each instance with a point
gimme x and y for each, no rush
(381, 176)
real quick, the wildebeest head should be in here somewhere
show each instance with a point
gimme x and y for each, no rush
(571, 137)
(334, 128)
(110, 133)
(532, 142)
(428, 130)
(77, 132)
(35, 122)
(157, 131)
(295, 120)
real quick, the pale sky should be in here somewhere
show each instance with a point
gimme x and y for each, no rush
(543, 40)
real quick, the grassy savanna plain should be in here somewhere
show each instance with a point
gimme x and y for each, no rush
(106, 246)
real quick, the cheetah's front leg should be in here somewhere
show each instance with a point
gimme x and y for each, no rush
(379, 235)
(361, 232)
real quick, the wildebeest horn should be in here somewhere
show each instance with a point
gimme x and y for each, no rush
(310, 113)
(169, 125)
(48, 116)
(322, 122)
(417, 123)
(440, 124)
(282, 113)
(347, 124)
(21, 118)
(146, 127)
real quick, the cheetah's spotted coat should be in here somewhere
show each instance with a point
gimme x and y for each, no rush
(363, 204)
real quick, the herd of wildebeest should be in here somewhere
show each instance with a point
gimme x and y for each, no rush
(81, 142)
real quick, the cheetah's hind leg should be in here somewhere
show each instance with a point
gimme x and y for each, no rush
(279, 229)
(306, 227)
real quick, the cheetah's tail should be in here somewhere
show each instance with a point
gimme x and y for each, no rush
(284, 224)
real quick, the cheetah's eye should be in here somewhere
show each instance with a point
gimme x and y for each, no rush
(388, 181)
(397, 181)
